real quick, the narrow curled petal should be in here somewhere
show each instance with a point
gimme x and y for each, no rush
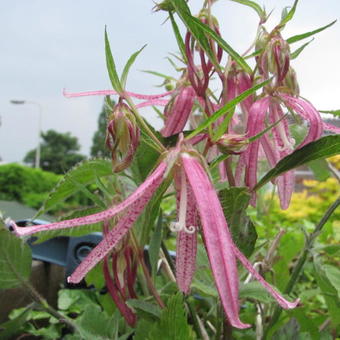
(217, 238)
(257, 114)
(150, 184)
(308, 112)
(111, 93)
(114, 236)
(278, 297)
(186, 246)
(152, 102)
(331, 128)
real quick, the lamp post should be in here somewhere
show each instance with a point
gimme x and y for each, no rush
(23, 102)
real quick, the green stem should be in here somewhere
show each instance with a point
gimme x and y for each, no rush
(302, 260)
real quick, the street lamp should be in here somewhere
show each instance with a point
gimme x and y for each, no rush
(23, 102)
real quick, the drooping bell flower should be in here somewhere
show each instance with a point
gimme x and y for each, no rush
(197, 197)
(221, 250)
(178, 110)
(122, 137)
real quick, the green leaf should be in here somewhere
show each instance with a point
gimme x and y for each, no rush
(146, 309)
(15, 260)
(95, 324)
(258, 9)
(299, 37)
(173, 323)
(199, 31)
(203, 280)
(75, 231)
(226, 108)
(158, 74)
(320, 169)
(128, 65)
(332, 112)
(155, 245)
(84, 173)
(297, 52)
(288, 15)
(145, 158)
(254, 290)
(111, 67)
(13, 327)
(178, 36)
(330, 293)
(234, 202)
(333, 275)
(323, 148)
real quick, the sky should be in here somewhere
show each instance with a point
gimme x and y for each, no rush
(46, 46)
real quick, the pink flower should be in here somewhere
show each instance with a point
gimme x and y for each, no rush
(198, 206)
(131, 208)
(178, 110)
(221, 249)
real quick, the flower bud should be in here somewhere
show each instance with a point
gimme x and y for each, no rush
(122, 136)
(178, 110)
(275, 57)
(232, 143)
(291, 83)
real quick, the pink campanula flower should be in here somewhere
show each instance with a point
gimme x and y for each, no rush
(199, 209)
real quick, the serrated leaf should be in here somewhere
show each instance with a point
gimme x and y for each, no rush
(128, 65)
(173, 323)
(254, 290)
(297, 52)
(111, 67)
(72, 232)
(147, 308)
(226, 108)
(203, 280)
(15, 260)
(323, 148)
(234, 202)
(13, 327)
(257, 8)
(200, 30)
(84, 173)
(95, 324)
(299, 37)
(288, 15)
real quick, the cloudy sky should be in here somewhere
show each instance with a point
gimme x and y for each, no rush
(50, 45)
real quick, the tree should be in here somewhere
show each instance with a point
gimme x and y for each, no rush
(58, 152)
(98, 148)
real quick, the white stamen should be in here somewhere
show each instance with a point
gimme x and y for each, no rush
(182, 214)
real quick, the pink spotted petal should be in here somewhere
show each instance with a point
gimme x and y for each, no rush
(217, 238)
(176, 116)
(150, 184)
(308, 112)
(186, 247)
(114, 236)
(111, 93)
(331, 128)
(278, 297)
(156, 102)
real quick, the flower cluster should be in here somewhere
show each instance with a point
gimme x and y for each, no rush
(257, 128)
